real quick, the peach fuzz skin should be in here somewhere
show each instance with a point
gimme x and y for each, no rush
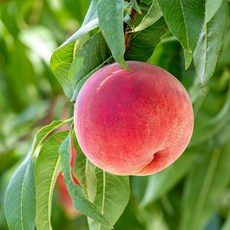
(133, 123)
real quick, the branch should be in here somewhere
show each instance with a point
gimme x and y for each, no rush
(133, 16)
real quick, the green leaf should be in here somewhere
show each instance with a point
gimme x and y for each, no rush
(91, 13)
(21, 186)
(144, 42)
(112, 197)
(153, 15)
(136, 6)
(226, 225)
(160, 183)
(85, 172)
(63, 57)
(45, 131)
(92, 56)
(185, 19)
(93, 53)
(210, 43)
(81, 203)
(204, 187)
(110, 15)
(211, 8)
(204, 132)
(20, 198)
(46, 170)
(86, 28)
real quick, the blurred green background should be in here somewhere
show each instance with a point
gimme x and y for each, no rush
(30, 97)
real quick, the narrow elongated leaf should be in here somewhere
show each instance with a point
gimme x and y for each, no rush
(20, 214)
(81, 203)
(112, 197)
(204, 187)
(211, 8)
(210, 43)
(45, 131)
(63, 57)
(226, 225)
(204, 132)
(151, 17)
(160, 183)
(46, 170)
(144, 42)
(91, 13)
(136, 6)
(20, 198)
(110, 15)
(185, 19)
(84, 171)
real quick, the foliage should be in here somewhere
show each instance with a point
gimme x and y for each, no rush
(190, 39)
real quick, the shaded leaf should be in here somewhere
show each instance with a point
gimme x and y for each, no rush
(203, 132)
(112, 197)
(86, 64)
(185, 20)
(46, 170)
(110, 15)
(93, 53)
(204, 187)
(160, 183)
(86, 174)
(144, 42)
(210, 43)
(136, 6)
(154, 13)
(80, 202)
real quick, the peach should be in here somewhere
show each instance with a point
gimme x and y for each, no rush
(133, 123)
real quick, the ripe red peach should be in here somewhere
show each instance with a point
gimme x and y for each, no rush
(133, 123)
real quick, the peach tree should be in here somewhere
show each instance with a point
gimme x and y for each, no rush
(132, 32)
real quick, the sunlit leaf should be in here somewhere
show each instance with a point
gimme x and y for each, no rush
(20, 198)
(46, 170)
(63, 57)
(211, 8)
(45, 131)
(91, 13)
(112, 197)
(21, 187)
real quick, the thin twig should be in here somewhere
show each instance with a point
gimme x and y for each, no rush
(133, 16)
